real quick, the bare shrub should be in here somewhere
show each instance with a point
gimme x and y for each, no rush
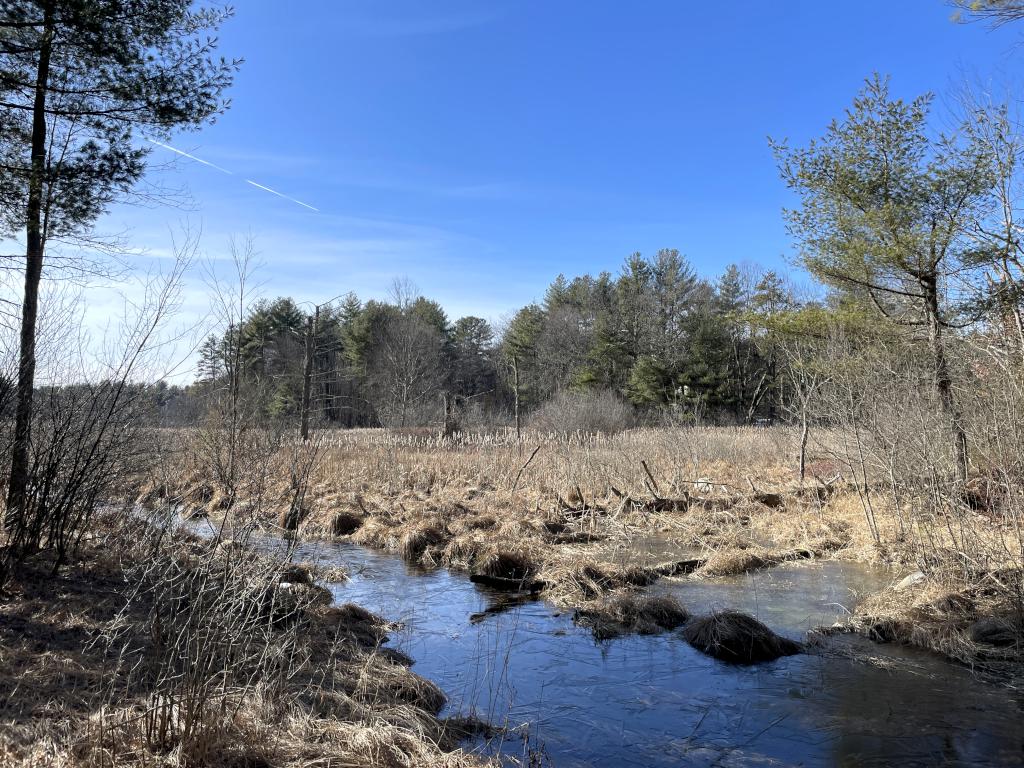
(570, 411)
(219, 628)
(87, 434)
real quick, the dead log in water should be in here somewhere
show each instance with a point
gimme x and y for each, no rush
(505, 584)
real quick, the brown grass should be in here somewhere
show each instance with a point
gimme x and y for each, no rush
(631, 611)
(514, 563)
(950, 619)
(77, 656)
(731, 494)
(737, 638)
(415, 540)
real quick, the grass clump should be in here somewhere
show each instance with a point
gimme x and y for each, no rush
(414, 541)
(574, 581)
(375, 533)
(737, 638)
(732, 562)
(516, 564)
(346, 522)
(630, 611)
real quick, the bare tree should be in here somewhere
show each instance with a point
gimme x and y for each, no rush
(406, 367)
(88, 426)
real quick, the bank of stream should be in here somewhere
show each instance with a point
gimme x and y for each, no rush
(655, 701)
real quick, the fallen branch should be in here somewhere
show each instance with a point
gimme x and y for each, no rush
(523, 469)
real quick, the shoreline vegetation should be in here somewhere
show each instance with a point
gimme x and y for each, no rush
(159, 647)
(589, 521)
(155, 646)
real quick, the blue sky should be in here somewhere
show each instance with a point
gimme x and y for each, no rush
(480, 148)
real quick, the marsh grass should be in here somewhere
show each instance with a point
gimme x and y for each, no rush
(737, 638)
(558, 506)
(626, 612)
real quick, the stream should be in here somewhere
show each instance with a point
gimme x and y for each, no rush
(568, 700)
(655, 701)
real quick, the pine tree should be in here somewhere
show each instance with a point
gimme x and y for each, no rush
(887, 210)
(78, 80)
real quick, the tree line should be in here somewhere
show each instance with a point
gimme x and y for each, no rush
(658, 336)
(910, 222)
(911, 230)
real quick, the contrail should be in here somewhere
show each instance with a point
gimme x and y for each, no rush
(275, 192)
(229, 173)
(190, 157)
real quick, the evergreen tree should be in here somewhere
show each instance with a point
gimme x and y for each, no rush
(211, 361)
(473, 372)
(79, 79)
(887, 209)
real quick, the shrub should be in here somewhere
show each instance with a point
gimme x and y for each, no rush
(571, 411)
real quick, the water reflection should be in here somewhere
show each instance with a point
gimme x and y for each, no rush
(654, 701)
(791, 598)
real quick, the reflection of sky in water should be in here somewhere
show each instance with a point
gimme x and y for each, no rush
(791, 598)
(654, 701)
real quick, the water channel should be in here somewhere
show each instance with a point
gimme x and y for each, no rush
(655, 701)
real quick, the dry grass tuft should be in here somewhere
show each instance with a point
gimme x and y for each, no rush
(332, 574)
(346, 522)
(574, 581)
(730, 562)
(461, 552)
(468, 523)
(747, 558)
(414, 541)
(631, 611)
(737, 638)
(516, 564)
(375, 533)
(382, 682)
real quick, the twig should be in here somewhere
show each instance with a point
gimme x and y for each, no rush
(523, 469)
(655, 491)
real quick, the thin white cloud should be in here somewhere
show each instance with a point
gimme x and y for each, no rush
(229, 173)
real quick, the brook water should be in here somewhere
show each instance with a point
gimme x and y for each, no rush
(654, 701)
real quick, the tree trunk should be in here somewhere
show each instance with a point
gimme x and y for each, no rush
(944, 380)
(307, 377)
(804, 430)
(515, 402)
(34, 240)
(448, 404)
